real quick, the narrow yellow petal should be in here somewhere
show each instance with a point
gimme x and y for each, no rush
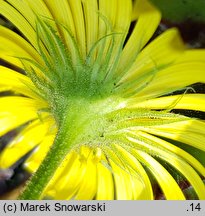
(184, 168)
(114, 20)
(91, 22)
(123, 16)
(160, 53)
(123, 186)
(140, 174)
(107, 15)
(167, 183)
(88, 186)
(105, 186)
(19, 21)
(186, 101)
(26, 140)
(12, 46)
(78, 19)
(189, 173)
(128, 184)
(145, 27)
(62, 14)
(175, 150)
(189, 132)
(121, 26)
(108, 9)
(172, 78)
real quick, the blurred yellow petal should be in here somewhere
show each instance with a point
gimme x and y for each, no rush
(33, 162)
(11, 116)
(24, 142)
(167, 183)
(14, 81)
(192, 55)
(12, 46)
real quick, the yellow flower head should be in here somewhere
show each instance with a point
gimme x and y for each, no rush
(94, 98)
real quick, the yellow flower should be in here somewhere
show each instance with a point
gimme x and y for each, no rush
(88, 89)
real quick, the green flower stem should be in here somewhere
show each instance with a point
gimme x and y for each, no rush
(55, 156)
(72, 124)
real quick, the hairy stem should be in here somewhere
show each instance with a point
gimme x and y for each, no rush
(52, 161)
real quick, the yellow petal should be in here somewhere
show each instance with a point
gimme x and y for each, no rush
(11, 116)
(173, 78)
(91, 22)
(67, 178)
(12, 46)
(122, 24)
(114, 17)
(184, 101)
(189, 173)
(123, 185)
(26, 140)
(167, 183)
(33, 162)
(175, 150)
(128, 184)
(78, 19)
(14, 81)
(145, 27)
(184, 168)
(63, 17)
(105, 186)
(189, 132)
(143, 183)
(19, 21)
(192, 55)
(88, 186)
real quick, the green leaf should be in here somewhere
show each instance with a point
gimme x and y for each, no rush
(181, 10)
